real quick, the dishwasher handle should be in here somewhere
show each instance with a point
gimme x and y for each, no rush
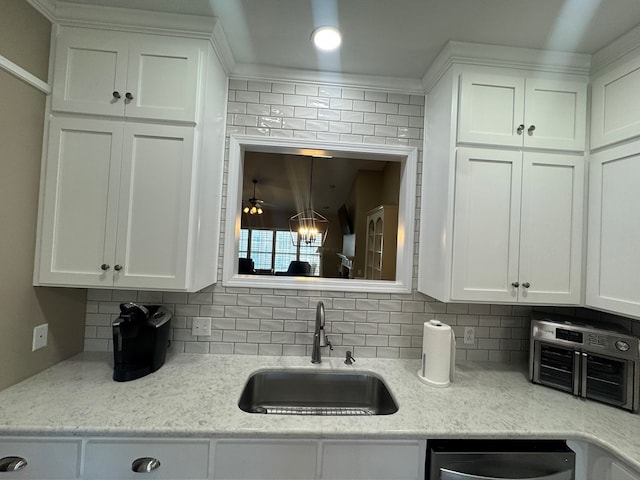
(446, 474)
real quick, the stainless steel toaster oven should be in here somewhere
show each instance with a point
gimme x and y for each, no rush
(589, 359)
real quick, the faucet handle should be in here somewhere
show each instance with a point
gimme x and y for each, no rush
(327, 343)
(349, 360)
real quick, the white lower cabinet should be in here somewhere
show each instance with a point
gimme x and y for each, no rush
(219, 459)
(315, 460)
(171, 459)
(46, 459)
(372, 460)
(613, 258)
(265, 460)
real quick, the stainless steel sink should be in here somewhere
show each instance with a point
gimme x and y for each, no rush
(304, 392)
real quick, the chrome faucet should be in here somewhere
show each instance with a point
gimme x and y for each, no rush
(319, 337)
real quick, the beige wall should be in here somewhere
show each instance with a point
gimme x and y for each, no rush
(24, 39)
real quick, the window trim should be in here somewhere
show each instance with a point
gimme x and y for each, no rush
(408, 156)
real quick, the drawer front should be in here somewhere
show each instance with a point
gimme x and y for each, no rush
(113, 459)
(46, 459)
(369, 460)
(265, 460)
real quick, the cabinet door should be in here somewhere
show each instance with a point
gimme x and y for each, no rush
(90, 72)
(551, 228)
(486, 225)
(155, 196)
(491, 109)
(178, 459)
(162, 78)
(615, 105)
(373, 460)
(46, 459)
(555, 114)
(265, 460)
(80, 202)
(613, 257)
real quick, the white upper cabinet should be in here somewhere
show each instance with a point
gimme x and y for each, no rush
(613, 255)
(117, 202)
(501, 109)
(100, 72)
(133, 166)
(615, 104)
(503, 178)
(517, 227)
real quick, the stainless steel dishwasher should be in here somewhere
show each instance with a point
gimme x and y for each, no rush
(500, 460)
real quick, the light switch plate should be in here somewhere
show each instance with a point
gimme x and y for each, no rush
(40, 334)
(201, 326)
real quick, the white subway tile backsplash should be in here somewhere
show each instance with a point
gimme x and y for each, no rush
(318, 102)
(280, 322)
(295, 100)
(341, 104)
(272, 98)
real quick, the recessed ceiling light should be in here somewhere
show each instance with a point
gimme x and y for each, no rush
(326, 38)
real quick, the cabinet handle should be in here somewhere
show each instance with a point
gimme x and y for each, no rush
(116, 95)
(117, 268)
(526, 284)
(105, 266)
(515, 284)
(128, 96)
(531, 129)
(12, 464)
(520, 129)
(145, 465)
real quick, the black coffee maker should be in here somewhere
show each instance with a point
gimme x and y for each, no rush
(140, 340)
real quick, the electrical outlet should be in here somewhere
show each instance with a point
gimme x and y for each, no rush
(469, 335)
(40, 334)
(201, 326)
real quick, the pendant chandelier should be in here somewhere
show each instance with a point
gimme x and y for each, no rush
(308, 227)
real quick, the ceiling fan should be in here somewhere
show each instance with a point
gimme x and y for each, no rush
(255, 204)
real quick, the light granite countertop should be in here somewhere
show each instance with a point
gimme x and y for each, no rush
(197, 395)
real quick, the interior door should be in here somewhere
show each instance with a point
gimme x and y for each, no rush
(155, 195)
(555, 114)
(491, 109)
(551, 228)
(486, 225)
(162, 78)
(90, 72)
(80, 202)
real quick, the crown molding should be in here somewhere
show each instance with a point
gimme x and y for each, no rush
(245, 71)
(619, 50)
(45, 7)
(506, 57)
(128, 19)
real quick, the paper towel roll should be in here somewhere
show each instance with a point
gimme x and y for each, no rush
(438, 354)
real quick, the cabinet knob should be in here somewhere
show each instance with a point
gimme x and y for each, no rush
(520, 129)
(128, 96)
(12, 464)
(531, 129)
(526, 284)
(145, 465)
(116, 94)
(105, 267)
(117, 268)
(515, 284)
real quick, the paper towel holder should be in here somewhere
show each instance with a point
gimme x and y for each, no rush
(452, 357)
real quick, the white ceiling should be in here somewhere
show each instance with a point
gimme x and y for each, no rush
(399, 38)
